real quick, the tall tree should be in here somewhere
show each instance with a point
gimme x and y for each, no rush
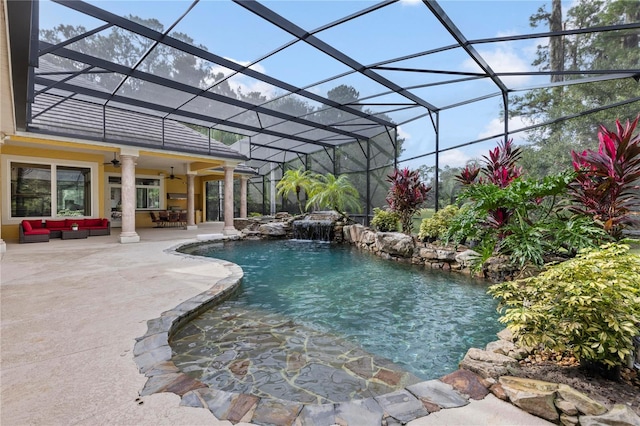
(556, 43)
(550, 146)
(125, 48)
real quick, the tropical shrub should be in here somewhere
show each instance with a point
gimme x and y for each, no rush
(538, 223)
(385, 220)
(588, 305)
(466, 225)
(436, 227)
(405, 196)
(606, 179)
(336, 193)
(498, 169)
(500, 166)
(572, 233)
(295, 181)
(468, 175)
(528, 220)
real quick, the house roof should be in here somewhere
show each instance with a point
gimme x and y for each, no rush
(61, 112)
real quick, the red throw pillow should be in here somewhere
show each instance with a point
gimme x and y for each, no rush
(26, 226)
(35, 224)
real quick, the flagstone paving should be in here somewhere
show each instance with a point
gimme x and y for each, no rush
(269, 356)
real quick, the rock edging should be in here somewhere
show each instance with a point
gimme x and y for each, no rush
(407, 249)
(557, 403)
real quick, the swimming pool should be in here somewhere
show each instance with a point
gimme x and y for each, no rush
(318, 322)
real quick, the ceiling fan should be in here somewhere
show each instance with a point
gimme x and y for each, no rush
(115, 162)
(172, 176)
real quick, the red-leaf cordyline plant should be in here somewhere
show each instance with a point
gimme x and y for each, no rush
(607, 179)
(468, 175)
(499, 169)
(405, 196)
(500, 166)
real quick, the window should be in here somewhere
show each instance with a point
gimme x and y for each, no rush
(50, 190)
(147, 192)
(73, 191)
(30, 190)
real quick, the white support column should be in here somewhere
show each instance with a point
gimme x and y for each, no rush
(128, 234)
(191, 203)
(243, 196)
(228, 229)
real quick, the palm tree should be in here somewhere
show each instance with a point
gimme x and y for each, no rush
(336, 193)
(295, 181)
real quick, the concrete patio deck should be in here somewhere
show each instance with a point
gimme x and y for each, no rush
(70, 311)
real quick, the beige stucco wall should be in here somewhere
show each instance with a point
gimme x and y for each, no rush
(7, 113)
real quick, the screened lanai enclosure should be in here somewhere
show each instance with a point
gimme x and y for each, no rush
(342, 87)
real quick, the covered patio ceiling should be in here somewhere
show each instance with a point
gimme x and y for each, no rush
(309, 84)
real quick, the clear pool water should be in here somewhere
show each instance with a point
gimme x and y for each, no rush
(419, 319)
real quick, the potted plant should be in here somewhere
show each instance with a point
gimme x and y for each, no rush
(74, 226)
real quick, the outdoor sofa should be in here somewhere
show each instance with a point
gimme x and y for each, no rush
(36, 231)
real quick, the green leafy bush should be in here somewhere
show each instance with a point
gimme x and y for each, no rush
(588, 305)
(539, 224)
(385, 220)
(465, 225)
(436, 226)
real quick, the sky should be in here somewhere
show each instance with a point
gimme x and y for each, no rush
(400, 29)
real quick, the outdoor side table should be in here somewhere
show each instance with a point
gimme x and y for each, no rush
(74, 235)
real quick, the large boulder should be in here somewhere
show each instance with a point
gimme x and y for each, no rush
(273, 230)
(619, 415)
(395, 243)
(353, 233)
(368, 237)
(498, 268)
(533, 396)
(428, 253)
(582, 402)
(507, 348)
(487, 364)
(447, 255)
(467, 257)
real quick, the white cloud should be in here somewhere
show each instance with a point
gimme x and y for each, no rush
(503, 59)
(453, 158)
(242, 82)
(496, 127)
(403, 134)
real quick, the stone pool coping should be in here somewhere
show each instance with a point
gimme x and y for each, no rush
(152, 355)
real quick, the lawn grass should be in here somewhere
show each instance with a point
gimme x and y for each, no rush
(635, 246)
(417, 219)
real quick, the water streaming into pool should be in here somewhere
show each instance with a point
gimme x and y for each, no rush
(322, 322)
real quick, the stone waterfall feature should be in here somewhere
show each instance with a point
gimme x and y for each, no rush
(317, 226)
(317, 230)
